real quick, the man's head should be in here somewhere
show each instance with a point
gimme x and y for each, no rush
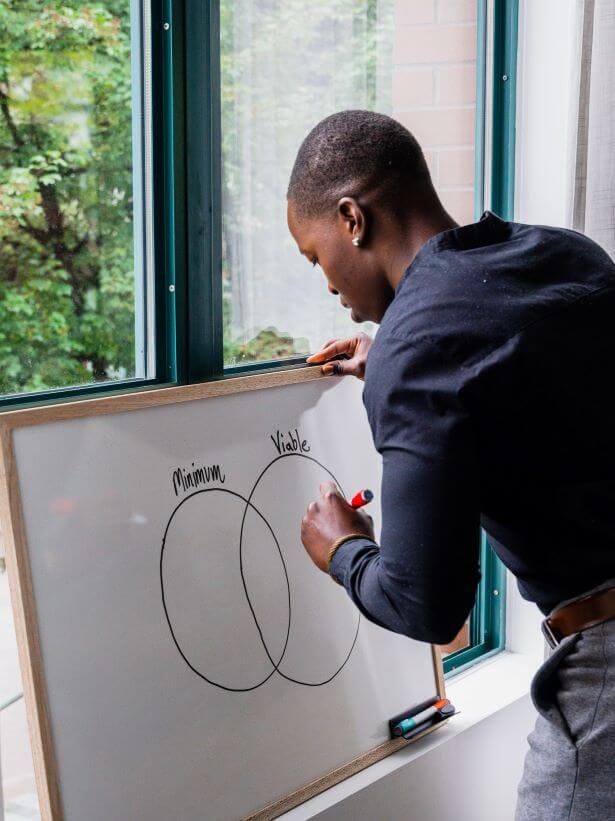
(359, 182)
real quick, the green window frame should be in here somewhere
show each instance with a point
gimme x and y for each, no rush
(488, 616)
(187, 222)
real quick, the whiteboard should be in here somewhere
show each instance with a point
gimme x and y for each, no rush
(195, 663)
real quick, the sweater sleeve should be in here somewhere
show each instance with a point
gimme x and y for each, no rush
(421, 580)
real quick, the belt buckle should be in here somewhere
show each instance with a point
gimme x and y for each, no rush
(548, 633)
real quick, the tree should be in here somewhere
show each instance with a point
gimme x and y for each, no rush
(66, 227)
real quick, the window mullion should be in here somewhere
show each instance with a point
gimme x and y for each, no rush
(171, 176)
(203, 192)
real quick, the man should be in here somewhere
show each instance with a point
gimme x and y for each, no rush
(488, 392)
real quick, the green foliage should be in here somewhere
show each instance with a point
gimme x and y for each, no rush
(66, 232)
(267, 344)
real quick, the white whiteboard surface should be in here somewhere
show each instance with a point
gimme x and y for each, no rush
(197, 665)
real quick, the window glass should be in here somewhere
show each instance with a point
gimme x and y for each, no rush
(71, 239)
(285, 66)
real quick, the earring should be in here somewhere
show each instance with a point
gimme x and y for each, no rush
(356, 241)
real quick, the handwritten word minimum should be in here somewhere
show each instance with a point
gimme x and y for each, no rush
(183, 479)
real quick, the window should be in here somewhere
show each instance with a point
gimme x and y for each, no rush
(483, 632)
(145, 150)
(73, 264)
(143, 171)
(285, 66)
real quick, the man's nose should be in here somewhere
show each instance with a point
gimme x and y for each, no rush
(332, 289)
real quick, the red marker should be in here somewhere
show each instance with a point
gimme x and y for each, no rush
(361, 498)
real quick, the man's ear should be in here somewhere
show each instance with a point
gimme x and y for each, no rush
(353, 220)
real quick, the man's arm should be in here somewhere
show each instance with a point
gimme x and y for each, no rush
(421, 581)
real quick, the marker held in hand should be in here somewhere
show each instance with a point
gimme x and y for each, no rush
(361, 498)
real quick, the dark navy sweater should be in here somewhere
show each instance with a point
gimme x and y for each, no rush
(488, 390)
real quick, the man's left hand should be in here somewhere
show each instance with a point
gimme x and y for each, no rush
(328, 519)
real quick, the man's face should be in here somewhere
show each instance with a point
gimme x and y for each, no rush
(351, 272)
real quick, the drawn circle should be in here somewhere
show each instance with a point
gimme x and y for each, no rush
(250, 618)
(313, 655)
(190, 566)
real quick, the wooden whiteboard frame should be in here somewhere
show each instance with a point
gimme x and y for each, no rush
(13, 533)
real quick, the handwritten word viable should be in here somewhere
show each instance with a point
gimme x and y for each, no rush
(183, 479)
(289, 442)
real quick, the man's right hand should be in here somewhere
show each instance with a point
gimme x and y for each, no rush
(355, 349)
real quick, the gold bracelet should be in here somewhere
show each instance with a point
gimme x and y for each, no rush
(339, 542)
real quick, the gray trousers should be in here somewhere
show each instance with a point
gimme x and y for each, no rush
(569, 770)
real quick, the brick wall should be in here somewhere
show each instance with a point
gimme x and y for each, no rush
(434, 92)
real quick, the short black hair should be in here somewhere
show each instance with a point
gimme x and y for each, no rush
(351, 152)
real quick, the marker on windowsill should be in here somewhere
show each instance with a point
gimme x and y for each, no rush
(361, 498)
(413, 725)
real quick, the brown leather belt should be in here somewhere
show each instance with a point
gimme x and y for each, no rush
(579, 615)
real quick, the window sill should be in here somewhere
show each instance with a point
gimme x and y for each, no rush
(478, 693)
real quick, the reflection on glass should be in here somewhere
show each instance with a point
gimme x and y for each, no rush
(285, 66)
(67, 278)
